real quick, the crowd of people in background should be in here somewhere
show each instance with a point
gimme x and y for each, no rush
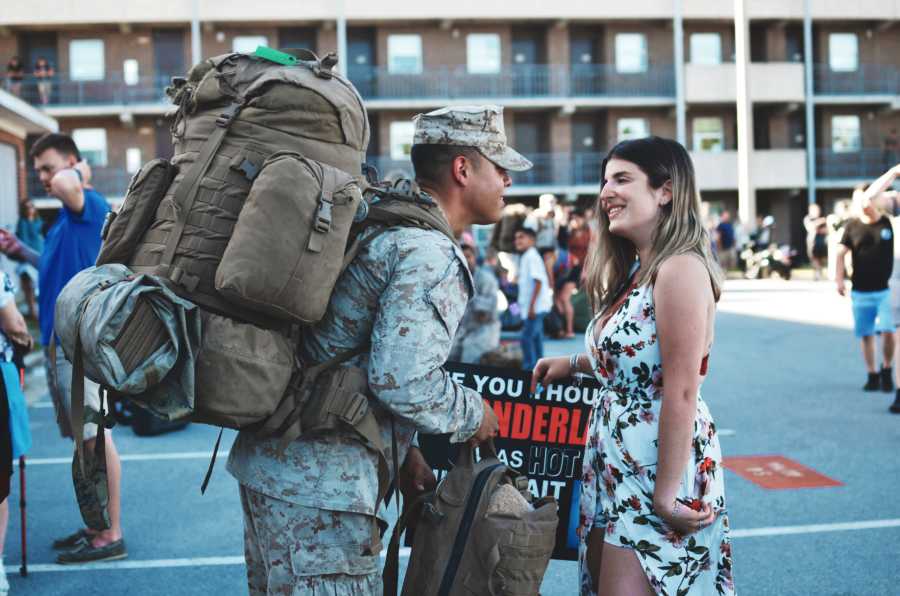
(42, 72)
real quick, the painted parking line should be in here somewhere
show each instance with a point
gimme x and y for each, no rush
(876, 524)
(43, 461)
(149, 564)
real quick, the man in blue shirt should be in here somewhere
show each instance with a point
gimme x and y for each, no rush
(71, 245)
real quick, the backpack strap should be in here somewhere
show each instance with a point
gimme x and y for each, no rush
(187, 191)
(390, 577)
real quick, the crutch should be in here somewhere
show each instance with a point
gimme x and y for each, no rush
(23, 569)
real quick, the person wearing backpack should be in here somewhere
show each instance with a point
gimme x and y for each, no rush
(71, 245)
(312, 512)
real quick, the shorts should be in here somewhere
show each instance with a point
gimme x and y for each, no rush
(872, 313)
(59, 382)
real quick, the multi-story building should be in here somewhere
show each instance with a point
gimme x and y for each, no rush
(575, 78)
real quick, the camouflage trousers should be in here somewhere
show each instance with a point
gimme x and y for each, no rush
(292, 550)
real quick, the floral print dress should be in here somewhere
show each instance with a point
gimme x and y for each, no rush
(620, 462)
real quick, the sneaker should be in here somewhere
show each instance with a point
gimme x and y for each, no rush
(86, 553)
(895, 407)
(72, 540)
(887, 379)
(874, 382)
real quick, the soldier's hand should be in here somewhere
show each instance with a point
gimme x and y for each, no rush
(489, 426)
(416, 476)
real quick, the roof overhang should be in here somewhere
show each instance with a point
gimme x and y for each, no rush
(21, 119)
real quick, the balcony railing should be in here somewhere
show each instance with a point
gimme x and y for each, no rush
(550, 169)
(852, 165)
(866, 79)
(112, 90)
(109, 181)
(517, 81)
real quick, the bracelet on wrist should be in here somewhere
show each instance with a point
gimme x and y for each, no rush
(573, 363)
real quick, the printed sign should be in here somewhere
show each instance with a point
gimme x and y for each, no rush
(777, 472)
(540, 435)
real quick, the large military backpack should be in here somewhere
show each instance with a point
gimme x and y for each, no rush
(250, 218)
(479, 532)
(250, 222)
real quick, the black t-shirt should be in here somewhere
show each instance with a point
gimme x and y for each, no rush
(872, 251)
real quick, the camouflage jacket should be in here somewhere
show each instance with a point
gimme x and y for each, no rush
(405, 293)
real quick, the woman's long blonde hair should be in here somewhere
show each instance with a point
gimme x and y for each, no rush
(680, 228)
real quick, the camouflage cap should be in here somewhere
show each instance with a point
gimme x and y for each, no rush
(472, 126)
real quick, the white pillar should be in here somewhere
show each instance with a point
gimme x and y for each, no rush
(678, 61)
(746, 190)
(196, 47)
(342, 39)
(810, 105)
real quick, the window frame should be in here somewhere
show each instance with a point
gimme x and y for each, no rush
(78, 71)
(838, 144)
(86, 147)
(474, 63)
(622, 58)
(396, 50)
(838, 62)
(399, 148)
(244, 39)
(622, 135)
(699, 136)
(699, 36)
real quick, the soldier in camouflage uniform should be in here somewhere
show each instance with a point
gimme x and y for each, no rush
(479, 330)
(309, 512)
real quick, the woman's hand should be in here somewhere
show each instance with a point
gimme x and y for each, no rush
(548, 370)
(685, 518)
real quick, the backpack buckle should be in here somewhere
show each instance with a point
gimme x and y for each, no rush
(323, 216)
(355, 409)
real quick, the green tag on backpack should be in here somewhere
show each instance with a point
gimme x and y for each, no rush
(275, 56)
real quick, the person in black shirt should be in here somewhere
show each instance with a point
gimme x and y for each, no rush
(869, 238)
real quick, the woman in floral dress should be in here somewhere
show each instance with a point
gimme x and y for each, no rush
(653, 516)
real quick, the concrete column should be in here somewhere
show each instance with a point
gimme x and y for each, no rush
(746, 190)
(343, 56)
(678, 61)
(809, 104)
(196, 48)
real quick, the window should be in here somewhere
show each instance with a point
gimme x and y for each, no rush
(843, 52)
(248, 43)
(709, 135)
(130, 72)
(401, 139)
(86, 61)
(631, 52)
(483, 53)
(404, 54)
(132, 159)
(91, 143)
(845, 136)
(632, 128)
(706, 48)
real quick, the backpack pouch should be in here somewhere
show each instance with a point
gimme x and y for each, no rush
(124, 228)
(287, 248)
(242, 372)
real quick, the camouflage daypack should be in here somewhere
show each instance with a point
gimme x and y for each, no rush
(478, 533)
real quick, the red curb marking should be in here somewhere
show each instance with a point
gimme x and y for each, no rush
(776, 472)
